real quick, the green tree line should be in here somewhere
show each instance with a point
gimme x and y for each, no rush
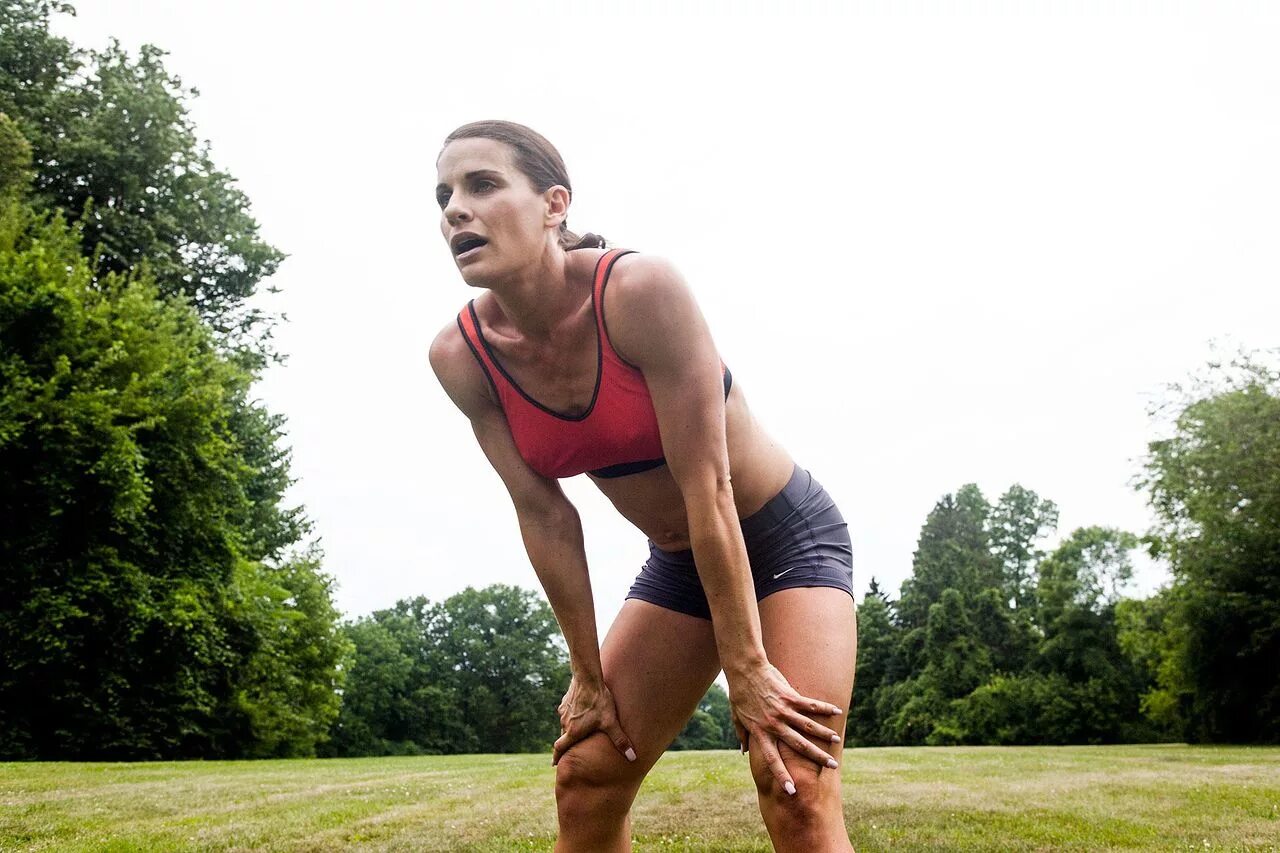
(482, 671)
(996, 640)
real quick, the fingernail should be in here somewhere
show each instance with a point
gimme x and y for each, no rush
(631, 754)
(835, 738)
(836, 710)
(831, 762)
(789, 787)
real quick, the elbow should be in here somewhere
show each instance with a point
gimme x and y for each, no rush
(710, 483)
(710, 494)
(551, 516)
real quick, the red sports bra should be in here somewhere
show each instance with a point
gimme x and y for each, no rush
(617, 434)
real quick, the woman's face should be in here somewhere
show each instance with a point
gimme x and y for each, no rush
(490, 215)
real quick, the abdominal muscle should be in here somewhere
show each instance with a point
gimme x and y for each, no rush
(651, 500)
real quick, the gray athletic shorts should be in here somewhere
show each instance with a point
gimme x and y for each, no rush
(796, 539)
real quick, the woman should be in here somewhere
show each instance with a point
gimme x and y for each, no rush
(577, 360)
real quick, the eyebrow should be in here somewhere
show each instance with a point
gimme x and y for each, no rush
(478, 173)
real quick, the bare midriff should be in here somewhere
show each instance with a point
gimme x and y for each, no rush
(652, 501)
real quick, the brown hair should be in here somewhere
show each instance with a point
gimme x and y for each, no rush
(540, 162)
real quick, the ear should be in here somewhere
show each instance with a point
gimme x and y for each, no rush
(557, 201)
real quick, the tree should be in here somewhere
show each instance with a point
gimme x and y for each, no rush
(137, 570)
(287, 692)
(1015, 646)
(1007, 635)
(509, 671)
(34, 63)
(1087, 571)
(1038, 708)
(915, 711)
(115, 150)
(1097, 688)
(954, 552)
(480, 672)
(877, 641)
(154, 602)
(702, 731)
(1017, 522)
(1153, 641)
(1214, 484)
(716, 704)
(711, 726)
(956, 661)
(15, 161)
(398, 698)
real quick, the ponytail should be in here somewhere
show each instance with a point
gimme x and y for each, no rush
(570, 241)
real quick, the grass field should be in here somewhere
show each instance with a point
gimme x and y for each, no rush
(1088, 798)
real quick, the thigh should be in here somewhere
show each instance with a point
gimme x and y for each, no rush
(658, 663)
(811, 636)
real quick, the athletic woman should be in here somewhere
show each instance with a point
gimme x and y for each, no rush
(572, 360)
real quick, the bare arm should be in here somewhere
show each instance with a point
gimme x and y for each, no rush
(549, 526)
(655, 323)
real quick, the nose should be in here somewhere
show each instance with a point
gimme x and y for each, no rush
(455, 212)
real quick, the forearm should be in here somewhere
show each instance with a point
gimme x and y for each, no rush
(558, 555)
(723, 568)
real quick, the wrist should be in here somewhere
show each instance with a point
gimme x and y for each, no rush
(586, 674)
(746, 665)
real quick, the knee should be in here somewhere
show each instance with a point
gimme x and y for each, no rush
(797, 815)
(593, 777)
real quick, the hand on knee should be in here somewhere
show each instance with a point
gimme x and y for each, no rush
(805, 802)
(809, 811)
(592, 776)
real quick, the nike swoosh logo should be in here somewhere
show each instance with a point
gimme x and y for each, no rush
(783, 572)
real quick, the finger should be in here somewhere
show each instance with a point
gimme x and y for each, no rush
(773, 760)
(744, 737)
(561, 746)
(809, 728)
(621, 742)
(805, 748)
(813, 706)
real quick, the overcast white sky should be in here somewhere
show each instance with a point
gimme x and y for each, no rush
(937, 243)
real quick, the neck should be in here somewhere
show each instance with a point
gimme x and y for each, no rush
(538, 298)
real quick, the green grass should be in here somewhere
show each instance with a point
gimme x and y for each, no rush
(1086, 798)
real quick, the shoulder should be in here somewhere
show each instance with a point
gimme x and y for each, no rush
(647, 292)
(638, 280)
(651, 311)
(459, 373)
(446, 348)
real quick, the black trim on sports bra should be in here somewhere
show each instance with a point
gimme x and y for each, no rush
(497, 398)
(595, 392)
(604, 321)
(622, 469)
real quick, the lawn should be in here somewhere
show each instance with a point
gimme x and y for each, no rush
(1088, 798)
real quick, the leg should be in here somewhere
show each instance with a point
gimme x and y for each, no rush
(810, 635)
(658, 663)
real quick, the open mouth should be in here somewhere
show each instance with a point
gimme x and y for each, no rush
(466, 244)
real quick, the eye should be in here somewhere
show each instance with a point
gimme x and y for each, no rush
(442, 198)
(484, 185)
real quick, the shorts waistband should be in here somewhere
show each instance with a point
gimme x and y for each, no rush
(782, 506)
